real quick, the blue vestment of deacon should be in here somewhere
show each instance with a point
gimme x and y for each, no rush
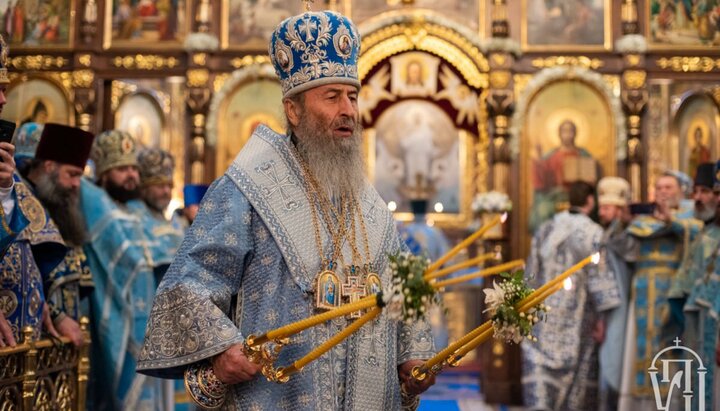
(656, 324)
(560, 370)
(703, 305)
(248, 265)
(121, 262)
(23, 275)
(164, 237)
(10, 228)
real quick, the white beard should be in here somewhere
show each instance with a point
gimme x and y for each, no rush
(337, 164)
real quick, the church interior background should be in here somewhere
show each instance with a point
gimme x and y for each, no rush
(466, 93)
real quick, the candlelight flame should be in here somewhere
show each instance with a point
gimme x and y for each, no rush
(596, 258)
(567, 284)
(503, 217)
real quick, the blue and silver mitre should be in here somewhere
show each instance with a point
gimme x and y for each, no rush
(313, 49)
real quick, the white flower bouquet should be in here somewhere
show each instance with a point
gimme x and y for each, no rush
(410, 295)
(491, 202)
(508, 323)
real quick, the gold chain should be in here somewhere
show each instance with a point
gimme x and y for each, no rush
(310, 192)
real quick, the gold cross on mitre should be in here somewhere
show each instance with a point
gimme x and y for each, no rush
(307, 4)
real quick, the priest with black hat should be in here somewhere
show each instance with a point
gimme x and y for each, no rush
(45, 263)
(54, 175)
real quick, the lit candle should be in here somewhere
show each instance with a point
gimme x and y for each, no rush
(297, 366)
(429, 275)
(552, 284)
(482, 273)
(465, 243)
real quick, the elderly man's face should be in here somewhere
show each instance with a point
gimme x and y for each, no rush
(706, 201)
(668, 190)
(334, 107)
(158, 196)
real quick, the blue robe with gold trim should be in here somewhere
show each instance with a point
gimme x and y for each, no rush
(703, 305)
(248, 265)
(34, 251)
(120, 259)
(164, 238)
(662, 248)
(9, 230)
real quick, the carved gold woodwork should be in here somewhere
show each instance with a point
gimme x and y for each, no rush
(240, 62)
(119, 90)
(199, 59)
(85, 60)
(198, 77)
(633, 60)
(61, 79)
(83, 78)
(500, 79)
(145, 62)
(634, 79)
(421, 34)
(45, 374)
(716, 94)
(689, 64)
(220, 80)
(576, 61)
(38, 62)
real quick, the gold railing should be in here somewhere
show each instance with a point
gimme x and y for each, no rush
(45, 375)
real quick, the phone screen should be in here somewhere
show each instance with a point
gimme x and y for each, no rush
(7, 129)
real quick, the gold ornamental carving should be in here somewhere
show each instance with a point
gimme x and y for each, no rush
(219, 81)
(240, 62)
(439, 40)
(145, 62)
(119, 90)
(634, 79)
(83, 78)
(197, 77)
(633, 60)
(716, 94)
(38, 62)
(85, 60)
(200, 59)
(61, 79)
(575, 61)
(689, 64)
(499, 79)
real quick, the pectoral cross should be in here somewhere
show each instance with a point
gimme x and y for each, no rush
(308, 26)
(307, 4)
(353, 290)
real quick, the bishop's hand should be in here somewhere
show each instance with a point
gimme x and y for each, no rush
(411, 385)
(232, 366)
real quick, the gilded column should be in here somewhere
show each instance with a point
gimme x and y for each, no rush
(501, 382)
(83, 81)
(198, 90)
(634, 91)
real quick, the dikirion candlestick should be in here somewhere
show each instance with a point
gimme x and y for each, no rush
(482, 273)
(283, 374)
(429, 275)
(456, 351)
(467, 242)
